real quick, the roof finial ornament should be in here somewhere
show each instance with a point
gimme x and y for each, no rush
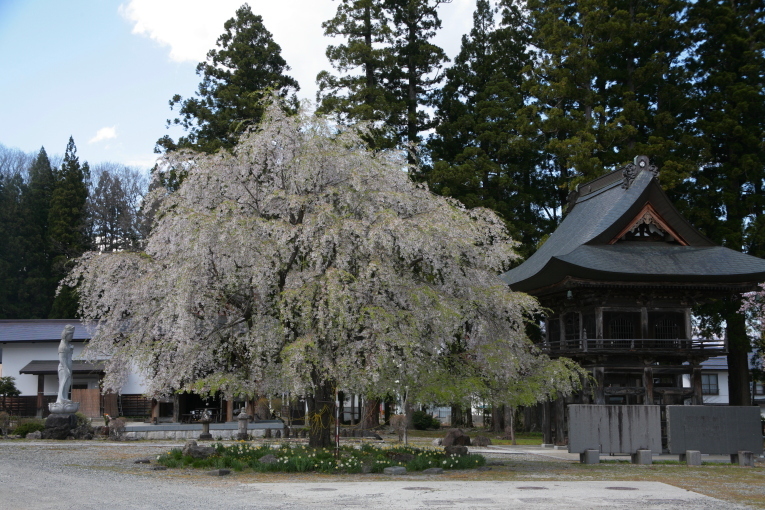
(631, 170)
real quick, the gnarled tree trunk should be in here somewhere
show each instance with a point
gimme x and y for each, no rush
(321, 412)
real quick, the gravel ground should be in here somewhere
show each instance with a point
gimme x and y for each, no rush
(98, 475)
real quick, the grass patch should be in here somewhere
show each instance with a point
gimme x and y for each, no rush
(301, 459)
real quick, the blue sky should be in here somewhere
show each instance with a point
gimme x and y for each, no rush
(103, 71)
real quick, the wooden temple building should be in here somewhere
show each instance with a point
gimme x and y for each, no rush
(620, 276)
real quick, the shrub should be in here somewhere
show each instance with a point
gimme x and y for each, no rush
(25, 428)
(424, 421)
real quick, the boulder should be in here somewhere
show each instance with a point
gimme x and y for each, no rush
(459, 451)
(59, 426)
(394, 470)
(480, 441)
(268, 459)
(438, 442)
(198, 452)
(35, 435)
(400, 457)
(455, 437)
(433, 471)
(219, 472)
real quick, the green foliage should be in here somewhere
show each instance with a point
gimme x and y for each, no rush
(25, 428)
(424, 421)
(8, 387)
(246, 66)
(299, 459)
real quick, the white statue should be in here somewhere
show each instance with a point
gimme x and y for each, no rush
(65, 350)
(63, 405)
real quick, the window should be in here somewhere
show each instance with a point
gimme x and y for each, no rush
(709, 384)
(666, 325)
(571, 322)
(759, 388)
(553, 335)
(621, 325)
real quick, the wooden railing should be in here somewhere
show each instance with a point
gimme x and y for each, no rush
(636, 344)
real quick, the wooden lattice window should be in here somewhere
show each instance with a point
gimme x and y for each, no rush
(571, 322)
(621, 325)
(553, 330)
(666, 325)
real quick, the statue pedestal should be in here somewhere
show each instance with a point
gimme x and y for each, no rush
(59, 426)
(67, 407)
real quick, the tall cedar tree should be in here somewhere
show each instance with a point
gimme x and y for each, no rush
(236, 78)
(39, 284)
(361, 96)
(481, 153)
(608, 85)
(415, 74)
(66, 226)
(725, 196)
(12, 188)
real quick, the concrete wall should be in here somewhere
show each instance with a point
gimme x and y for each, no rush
(614, 429)
(714, 429)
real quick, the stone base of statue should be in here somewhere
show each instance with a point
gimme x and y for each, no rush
(66, 407)
(59, 426)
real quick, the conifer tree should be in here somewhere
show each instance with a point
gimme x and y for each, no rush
(482, 154)
(357, 93)
(725, 198)
(39, 285)
(12, 188)
(66, 225)
(236, 78)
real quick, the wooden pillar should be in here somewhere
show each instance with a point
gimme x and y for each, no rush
(40, 395)
(546, 423)
(599, 326)
(648, 385)
(560, 421)
(599, 373)
(698, 395)
(229, 410)
(176, 408)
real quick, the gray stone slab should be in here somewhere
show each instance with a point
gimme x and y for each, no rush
(614, 429)
(642, 457)
(715, 430)
(691, 457)
(394, 470)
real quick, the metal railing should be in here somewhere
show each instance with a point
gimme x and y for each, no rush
(637, 344)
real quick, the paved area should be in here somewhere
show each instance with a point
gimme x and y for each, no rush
(96, 475)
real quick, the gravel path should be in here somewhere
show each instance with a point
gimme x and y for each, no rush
(98, 475)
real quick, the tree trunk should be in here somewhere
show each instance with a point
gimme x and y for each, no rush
(469, 417)
(371, 413)
(457, 418)
(738, 361)
(510, 423)
(321, 409)
(497, 418)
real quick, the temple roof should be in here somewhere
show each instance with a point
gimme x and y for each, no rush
(622, 227)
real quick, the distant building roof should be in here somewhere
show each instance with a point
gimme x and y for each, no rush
(50, 367)
(592, 244)
(40, 330)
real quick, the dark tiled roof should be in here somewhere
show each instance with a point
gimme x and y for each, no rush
(580, 247)
(48, 367)
(42, 330)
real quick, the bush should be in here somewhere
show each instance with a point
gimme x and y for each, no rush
(25, 428)
(424, 421)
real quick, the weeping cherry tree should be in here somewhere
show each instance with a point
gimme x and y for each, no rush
(303, 262)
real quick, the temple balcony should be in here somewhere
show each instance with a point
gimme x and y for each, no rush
(653, 346)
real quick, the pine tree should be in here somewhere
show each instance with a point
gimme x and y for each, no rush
(350, 97)
(725, 198)
(12, 189)
(481, 152)
(66, 225)
(236, 78)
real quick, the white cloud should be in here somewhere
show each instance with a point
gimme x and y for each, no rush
(105, 133)
(190, 28)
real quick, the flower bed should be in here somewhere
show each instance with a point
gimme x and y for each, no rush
(297, 459)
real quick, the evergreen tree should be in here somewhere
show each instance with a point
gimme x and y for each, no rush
(39, 286)
(414, 74)
(609, 85)
(66, 225)
(482, 154)
(236, 78)
(361, 96)
(725, 197)
(12, 189)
